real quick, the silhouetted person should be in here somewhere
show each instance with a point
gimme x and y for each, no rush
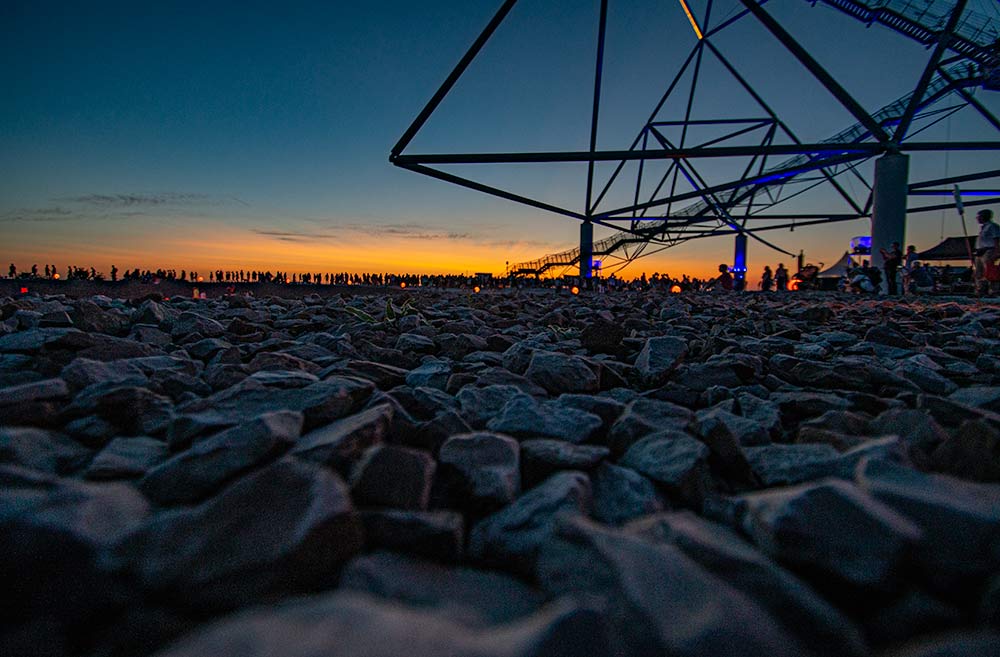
(725, 279)
(891, 260)
(987, 250)
(781, 277)
(114, 273)
(767, 280)
(12, 272)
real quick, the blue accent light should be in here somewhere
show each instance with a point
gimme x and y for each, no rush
(861, 245)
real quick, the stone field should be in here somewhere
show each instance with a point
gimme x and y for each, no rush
(437, 473)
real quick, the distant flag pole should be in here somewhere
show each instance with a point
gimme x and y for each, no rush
(961, 216)
(694, 23)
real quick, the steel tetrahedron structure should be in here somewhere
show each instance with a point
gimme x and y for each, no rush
(672, 202)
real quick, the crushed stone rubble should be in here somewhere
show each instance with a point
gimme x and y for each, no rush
(500, 474)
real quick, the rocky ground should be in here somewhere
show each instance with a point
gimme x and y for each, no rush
(440, 473)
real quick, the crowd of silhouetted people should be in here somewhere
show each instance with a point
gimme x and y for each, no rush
(860, 279)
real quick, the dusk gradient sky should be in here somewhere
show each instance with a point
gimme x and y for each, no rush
(256, 134)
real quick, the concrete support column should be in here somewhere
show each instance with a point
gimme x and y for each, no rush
(889, 203)
(740, 262)
(586, 249)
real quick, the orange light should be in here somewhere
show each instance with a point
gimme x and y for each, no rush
(55, 276)
(694, 24)
(403, 284)
(794, 285)
(201, 279)
(574, 290)
(475, 290)
(675, 289)
(350, 282)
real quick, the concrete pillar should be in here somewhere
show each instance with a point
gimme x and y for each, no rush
(740, 262)
(889, 203)
(586, 250)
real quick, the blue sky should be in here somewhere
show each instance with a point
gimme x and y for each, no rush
(259, 132)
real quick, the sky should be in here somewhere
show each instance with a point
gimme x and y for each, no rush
(256, 135)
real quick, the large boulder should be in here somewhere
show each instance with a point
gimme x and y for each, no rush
(284, 529)
(352, 624)
(833, 530)
(658, 601)
(199, 471)
(511, 537)
(481, 471)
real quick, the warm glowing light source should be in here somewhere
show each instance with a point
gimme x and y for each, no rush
(574, 290)
(675, 289)
(55, 276)
(694, 24)
(794, 285)
(402, 284)
(201, 279)
(24, 290)
(475, 290)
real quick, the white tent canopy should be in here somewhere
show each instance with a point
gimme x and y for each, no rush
(839, 268)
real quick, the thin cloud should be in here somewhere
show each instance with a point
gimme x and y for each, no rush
(158, 199)
(54, 214)
(293, 236)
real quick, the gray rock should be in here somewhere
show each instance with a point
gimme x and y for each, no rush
(674, 460)
(135, 410)
(189, 322)
(960, 521)
(355, 625)
(927, 380)
(342, 442)
(960, 644)
(393, 476)
(987, 397)
(524, 417)
(416, 343)
(199, 471)
(559, 373)
(126, 458)
(833, 528)
(791, 602)
(226, 553)
(918, 429)
(481, 470)
(605, 408)
(476, 597)
(518, 356)
(541, 458)
(778, 465)
(622, 494)
(480, 405)
(511, 537)
(83, 372)
(432, 534)
(643, 417)
(383, 375)
(47, 390)
(278, 361)
(659, 357)
(682, 610)
(973, 452)
(38, 449)
(58, 535)
(798, 406)
(432, 374)
(321, 403)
